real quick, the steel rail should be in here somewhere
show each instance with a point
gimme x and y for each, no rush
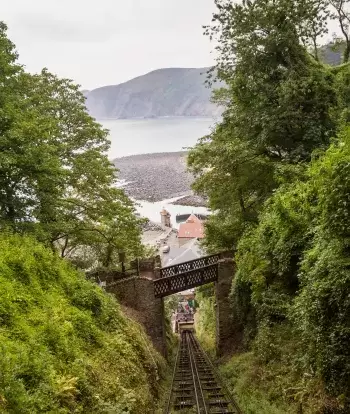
(196, 384)
(220, 380)
(204, 405)
(167, 408)
(193, 376)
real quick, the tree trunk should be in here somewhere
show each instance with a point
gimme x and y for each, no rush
(108, 258)
(346, 53)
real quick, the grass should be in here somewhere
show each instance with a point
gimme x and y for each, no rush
(271, 380)
(254, 393)
(65, 345)
(205, 323)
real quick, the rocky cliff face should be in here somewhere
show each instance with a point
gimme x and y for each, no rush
(163, 92)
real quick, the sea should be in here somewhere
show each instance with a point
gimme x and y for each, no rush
(152, 210)
(145, 136)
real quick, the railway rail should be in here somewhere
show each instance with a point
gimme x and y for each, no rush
(196, 385)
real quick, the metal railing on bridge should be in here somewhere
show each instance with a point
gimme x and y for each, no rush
(186, 275)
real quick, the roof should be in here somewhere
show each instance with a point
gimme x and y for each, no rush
(193, 228)
(177, 255)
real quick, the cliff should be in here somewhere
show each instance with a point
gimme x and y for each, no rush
(163, 92)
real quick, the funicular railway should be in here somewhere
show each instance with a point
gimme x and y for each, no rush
(196, 385)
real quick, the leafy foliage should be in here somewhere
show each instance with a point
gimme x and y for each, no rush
(56, 181)
(205, 322)
(276, 172)
(296, 265)
(278, 102)
(64, 344)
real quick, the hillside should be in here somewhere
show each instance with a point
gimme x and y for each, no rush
(65, 345)
(166, 92)
(163, 92)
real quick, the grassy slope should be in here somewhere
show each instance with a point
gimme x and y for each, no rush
(260, 387)
(205, 318)
(65, 346)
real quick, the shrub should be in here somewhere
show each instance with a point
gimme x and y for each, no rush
(65, 346)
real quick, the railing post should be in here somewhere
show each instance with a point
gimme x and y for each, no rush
(169, 285)
(157, 273)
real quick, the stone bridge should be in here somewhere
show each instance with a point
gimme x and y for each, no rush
(141, 295)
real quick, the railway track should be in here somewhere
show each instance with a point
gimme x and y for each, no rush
(196, 386)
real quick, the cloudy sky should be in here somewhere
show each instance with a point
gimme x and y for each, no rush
(101, 42)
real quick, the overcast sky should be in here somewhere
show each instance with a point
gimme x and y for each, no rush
(104, 42)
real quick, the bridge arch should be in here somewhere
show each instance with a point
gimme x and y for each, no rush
(217, 268)
(142, 295)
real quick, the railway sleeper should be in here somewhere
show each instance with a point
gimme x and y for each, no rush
(212, 388)
(184, 398)
(223, 411)
(184, 384)
(218, 403)
(183, 404)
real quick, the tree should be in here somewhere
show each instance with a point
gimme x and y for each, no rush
(342, 15)
(235, 178)
(279, 97)
(277, 110)
(55, 178)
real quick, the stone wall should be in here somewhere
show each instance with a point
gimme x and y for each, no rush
(137, 293)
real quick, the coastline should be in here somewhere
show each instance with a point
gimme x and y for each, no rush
(191, 200)
(158, 176)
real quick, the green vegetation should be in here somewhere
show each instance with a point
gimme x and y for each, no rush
(64, 344)
(276, 172)
(205, 318)
(56, 182)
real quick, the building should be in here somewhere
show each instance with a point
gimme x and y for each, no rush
(176, 255)
(165, 218)
(193, 228)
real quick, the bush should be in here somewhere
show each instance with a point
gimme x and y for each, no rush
(65, 346)
(294, 270)
(205, 322)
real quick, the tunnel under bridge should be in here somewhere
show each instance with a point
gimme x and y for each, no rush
(142, 295)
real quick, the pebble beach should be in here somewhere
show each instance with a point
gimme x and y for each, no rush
(158, 176)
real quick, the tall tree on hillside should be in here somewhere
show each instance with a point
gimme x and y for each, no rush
(55, 178)
(277, 109)
(8, 73)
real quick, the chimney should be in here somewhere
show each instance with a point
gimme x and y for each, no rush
(165, 218)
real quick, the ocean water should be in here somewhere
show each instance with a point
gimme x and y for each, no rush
(144, 136)
(152, 210)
